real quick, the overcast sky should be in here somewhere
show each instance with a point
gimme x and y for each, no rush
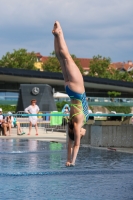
(91, 27)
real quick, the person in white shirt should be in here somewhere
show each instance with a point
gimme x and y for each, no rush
(32, 109)
(89, 110)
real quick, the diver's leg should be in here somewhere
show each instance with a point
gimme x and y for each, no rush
(60, 60)
(74, 76)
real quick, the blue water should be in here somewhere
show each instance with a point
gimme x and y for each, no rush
(31, 169)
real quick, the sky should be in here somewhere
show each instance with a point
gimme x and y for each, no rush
(91, 27)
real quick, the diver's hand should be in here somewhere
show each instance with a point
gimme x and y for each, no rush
(68, 164)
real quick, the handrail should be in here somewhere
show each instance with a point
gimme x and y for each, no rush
(56, 114)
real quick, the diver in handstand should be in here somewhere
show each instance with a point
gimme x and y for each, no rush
(74, 86)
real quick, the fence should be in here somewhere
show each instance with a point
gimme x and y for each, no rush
(56, 121)
(52, 121)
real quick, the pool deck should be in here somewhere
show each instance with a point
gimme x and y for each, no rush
(115, 149)
(42, 135)
(56, 136)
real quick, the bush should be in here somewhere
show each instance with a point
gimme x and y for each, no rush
(119, 109)
(60, 105)
(7, 108)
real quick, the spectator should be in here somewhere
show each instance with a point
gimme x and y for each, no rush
(89, 110)
(15, 123)
(32, 109)
(65, 110)
(7, 125)
(1, 121)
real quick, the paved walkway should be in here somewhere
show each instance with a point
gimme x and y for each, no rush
(42, 134)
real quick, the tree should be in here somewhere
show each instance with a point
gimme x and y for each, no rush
(53, 65)
(19, 59)
(121, 75)
(113, 94)
(99, 67)
(125, 76)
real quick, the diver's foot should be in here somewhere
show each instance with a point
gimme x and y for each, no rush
(72, 165)
(68, 164)
(57, 29)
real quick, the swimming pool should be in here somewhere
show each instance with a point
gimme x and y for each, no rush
(33, 169)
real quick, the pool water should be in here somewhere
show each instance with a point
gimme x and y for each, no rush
(33, 169)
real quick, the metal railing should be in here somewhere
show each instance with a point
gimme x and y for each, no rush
(100, 101)
(44, 120)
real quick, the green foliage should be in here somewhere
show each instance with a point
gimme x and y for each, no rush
(119, 109)
(114, 93)
(60, 105)
(7, 108)
(123, 76)
(99, 67)
(53, 65)
(20, 59)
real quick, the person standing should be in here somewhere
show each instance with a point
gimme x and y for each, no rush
(32, 109)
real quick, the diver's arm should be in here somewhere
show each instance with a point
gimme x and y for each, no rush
(76, 146)
(69, 152)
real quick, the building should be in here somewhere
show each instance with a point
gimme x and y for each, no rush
(85, 63)
(40, 61)
(10, 81)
